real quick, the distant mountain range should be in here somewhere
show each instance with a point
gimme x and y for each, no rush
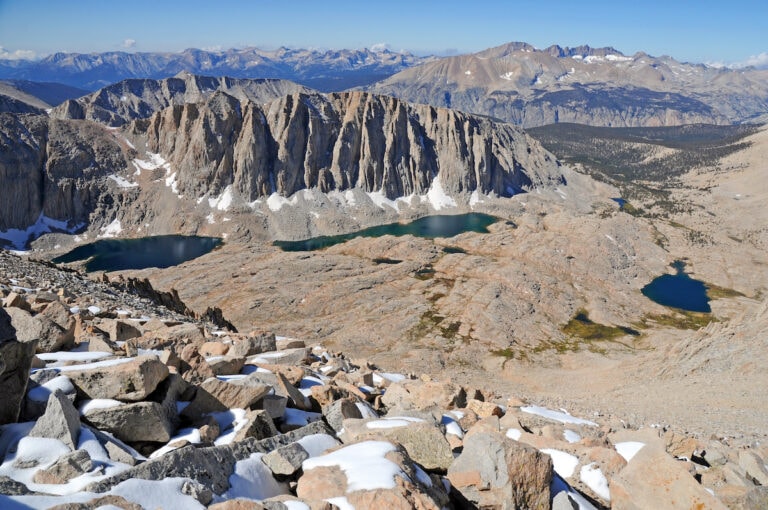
(514, 82)
(327, 70)
(598, 86)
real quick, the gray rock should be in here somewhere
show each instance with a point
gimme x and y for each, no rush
(130, 381)
(214, 395)
(754, 466)
(286, 460)
(50, 336)
(338, 411)
(66, 468)
(11, 487)
(286, 388)
(119, 330)
(139, 421)
(61, 421)
(210, 466)
(274, 405)
(562, 501)
(423, 440)
(253, 344)
(227, 365)
(15, 361)
(493, 471)
(258, 426)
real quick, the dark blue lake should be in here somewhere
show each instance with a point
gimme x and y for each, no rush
(429, 227)
(157, 251)
(679, 291)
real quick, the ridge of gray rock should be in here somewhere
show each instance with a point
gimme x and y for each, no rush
(341, 141)
(136, 98)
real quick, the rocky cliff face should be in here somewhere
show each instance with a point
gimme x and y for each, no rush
(597, 86)
(342, 141)
(139, 98)
(54, 168)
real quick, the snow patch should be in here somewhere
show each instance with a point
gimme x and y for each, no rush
(364, 464)
(392, 422)
(42, 392)
(571, 436)
(564, 463)
(43, 225)
(98, 403)
(562, 417)
(111, 230)
(593, 478)
(121, 182)
(507, 76)
(224, 201)
(514, 434)
(628, 449)
(437, 196)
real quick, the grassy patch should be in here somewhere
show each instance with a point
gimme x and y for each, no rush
(385, 260)
(581, 326)
(425, 273)
(453, 249)
(717, 292)
(681, 319)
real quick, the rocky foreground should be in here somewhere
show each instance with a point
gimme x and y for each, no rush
(112, 401)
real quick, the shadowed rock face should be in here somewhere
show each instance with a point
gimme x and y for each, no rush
(54, 168)
(342, 141)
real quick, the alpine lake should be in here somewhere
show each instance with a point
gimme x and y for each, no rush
(679, 291)
(171, 250)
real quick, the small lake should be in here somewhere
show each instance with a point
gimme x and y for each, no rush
(678, 291)
(428, 227)
(157, 251)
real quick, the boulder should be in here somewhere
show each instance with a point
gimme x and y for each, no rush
(420, 395)
(61, 421)
(66, 468)
(484, 409)
(423, 440)
(290, 357)
(16, 300)
(139, 421)
(104, 502)
(10, 487)
(286, 460)
(340, 410)
(15, 362)
(284, 387)
(214, 395)
(754, 467)
(653, 479)
(210, 466)
(274, 405)
(255, 343)
(50, 336)
(259, 425)
(370, 474)
(119, 330)
(128, 381)
(226, 365)
(210, 349)
(494, 471)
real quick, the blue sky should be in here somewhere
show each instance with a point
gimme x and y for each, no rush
(696, 31)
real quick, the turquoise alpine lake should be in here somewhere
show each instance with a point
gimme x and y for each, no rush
(428, 227)
(156, 251)
(679, 291)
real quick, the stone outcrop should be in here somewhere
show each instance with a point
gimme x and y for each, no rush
(15, 362)
(132, 99)
(338, 142)
(56, 171)
(128, 381)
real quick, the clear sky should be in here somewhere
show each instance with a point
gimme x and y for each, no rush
(731, 31)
